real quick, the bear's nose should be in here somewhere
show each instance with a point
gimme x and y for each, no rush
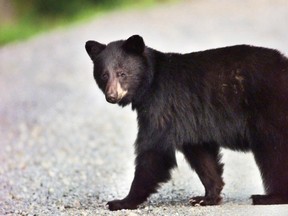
(111, 98)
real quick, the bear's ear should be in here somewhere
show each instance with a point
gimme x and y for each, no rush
(93, 48)
(134, 44)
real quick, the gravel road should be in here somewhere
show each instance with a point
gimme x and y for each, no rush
(65, 151)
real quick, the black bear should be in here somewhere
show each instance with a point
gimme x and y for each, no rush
(233, 97)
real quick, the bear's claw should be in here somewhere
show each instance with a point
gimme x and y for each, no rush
(203, 201)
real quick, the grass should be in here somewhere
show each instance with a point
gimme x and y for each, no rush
(30, 23)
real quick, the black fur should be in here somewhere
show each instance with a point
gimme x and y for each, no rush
(233, 97)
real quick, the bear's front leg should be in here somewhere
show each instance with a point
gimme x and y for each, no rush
(152, 167)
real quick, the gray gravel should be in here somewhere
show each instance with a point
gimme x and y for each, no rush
(65, 151)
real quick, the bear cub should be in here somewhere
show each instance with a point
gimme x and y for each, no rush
(233, 97)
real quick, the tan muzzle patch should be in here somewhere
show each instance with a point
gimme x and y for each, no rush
(120, 91)
(114, 92)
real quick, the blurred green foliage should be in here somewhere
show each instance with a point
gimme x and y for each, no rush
(34, 16)
(64, 7)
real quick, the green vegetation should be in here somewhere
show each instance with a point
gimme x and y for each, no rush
(35, 16)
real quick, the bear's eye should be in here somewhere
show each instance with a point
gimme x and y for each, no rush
(104, 76)
(121, 74)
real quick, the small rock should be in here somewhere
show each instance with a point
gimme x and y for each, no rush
(61, 208)
(132, 214)
(77, 204)
(51, 190)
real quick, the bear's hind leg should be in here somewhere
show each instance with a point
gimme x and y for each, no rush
(271, 157)
(270, 199)
(205, 160)
(275, 178)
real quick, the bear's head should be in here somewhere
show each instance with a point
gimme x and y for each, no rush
(120, 68)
